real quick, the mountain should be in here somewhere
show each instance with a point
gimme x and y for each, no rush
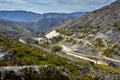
(52, 19)
(90, 52)
(27, 16)
(103, 17)
(38, 22)
(12, 28)
(97, 31)
(19, 16)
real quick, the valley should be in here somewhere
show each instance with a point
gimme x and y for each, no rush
(27, 56)
(60, 46)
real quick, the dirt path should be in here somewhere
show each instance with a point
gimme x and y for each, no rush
(86, 58)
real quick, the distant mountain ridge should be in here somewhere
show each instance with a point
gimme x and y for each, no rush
(27, 16)
(38, 22)
(18, 16)
(52, 19)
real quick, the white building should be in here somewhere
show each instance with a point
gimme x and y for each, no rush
(52, 34)
(22, 41)
(38, 39)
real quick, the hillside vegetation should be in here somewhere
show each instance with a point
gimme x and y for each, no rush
(100, 27)
(28, 55)
(12, 28)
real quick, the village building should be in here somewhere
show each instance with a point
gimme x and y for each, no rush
(22, 41)
(52, 34)
(40, 40)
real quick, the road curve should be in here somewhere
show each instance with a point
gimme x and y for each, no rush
(85, 58)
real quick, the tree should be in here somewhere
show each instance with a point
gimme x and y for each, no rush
(56, 48)
(57, 39)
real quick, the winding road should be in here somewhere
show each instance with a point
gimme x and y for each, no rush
(82, 56)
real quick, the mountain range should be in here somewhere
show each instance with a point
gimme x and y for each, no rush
(79, 46)
(27, 16)
(35, 22)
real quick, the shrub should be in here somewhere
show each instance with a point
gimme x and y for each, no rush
(109, 52)
(57, 39)
(99, 42)
(56, 48)
(116, 25)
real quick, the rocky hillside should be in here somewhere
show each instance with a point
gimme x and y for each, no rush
(13, 28)
(24, 61)
(101, 28)
(103, 17)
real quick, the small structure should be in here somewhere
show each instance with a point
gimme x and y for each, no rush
(22, 41)
(52, 34)
(38, 39)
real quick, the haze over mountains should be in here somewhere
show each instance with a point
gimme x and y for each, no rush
(19, 16)
(27, 16)
(38, 22)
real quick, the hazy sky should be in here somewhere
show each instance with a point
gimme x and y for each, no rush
(43, 6)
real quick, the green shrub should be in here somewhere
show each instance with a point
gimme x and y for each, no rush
(56, 48)
(109, 52)
(58, 38)
(116, 25)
